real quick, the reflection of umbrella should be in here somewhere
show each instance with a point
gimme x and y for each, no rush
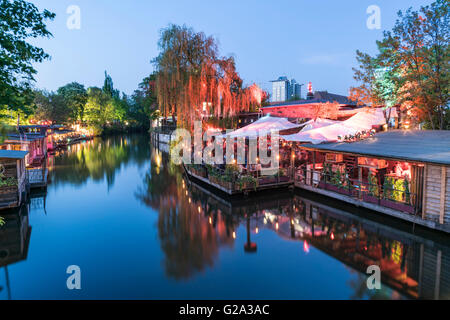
(249, 247)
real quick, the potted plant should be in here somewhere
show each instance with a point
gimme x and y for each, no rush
(247, 182)
(326, 173)
(374, 190)
(7, 185)
(393, 192)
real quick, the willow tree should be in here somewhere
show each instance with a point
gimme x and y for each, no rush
(192, 79)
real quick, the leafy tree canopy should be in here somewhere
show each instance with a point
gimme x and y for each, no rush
(19, 21)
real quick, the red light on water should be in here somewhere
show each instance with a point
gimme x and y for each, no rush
(305, 247)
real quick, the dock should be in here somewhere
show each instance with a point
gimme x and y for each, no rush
(260, 183)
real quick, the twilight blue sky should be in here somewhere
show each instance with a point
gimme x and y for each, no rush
(307, 40)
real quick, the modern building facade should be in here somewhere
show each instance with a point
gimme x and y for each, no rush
(284, 89)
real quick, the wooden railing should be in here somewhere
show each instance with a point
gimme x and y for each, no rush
(360, 190)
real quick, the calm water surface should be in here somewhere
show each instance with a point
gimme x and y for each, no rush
(116, 208)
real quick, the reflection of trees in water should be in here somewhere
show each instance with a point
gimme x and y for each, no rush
(193, 225)
(190, 232)
(98, 159)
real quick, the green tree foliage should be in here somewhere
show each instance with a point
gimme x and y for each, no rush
(50, 106)
(19, 21)
(108, 87)
(143, 104)
(412, 66)
(99, 109)
(75, 98)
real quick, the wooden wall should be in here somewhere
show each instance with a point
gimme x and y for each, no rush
(436, 196)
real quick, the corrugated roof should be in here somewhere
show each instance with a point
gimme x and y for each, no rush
(13, 154)
(414, 145)
(24, 136)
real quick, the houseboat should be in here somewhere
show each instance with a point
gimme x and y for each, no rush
(13, 178)
(35, 143)
(405, 174)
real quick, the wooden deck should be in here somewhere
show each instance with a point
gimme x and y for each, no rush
(234, 190)
(416, 219)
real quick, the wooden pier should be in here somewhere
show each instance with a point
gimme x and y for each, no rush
(233, 188)
(402, 174)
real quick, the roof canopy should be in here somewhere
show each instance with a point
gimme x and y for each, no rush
(432, 146)
(363, 120)
(13, 154)
(318, 123)
(263, 126)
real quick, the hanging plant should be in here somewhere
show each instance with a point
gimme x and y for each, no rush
(2, 221)
(387, 188)
(407, 192)
(373, 185)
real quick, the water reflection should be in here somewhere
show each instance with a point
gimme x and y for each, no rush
(97, 159)
(194, 223)
(14, 242)
(190, 233)
(178, 239)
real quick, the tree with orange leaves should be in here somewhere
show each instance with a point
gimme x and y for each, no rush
(193, 81)
(412, 66)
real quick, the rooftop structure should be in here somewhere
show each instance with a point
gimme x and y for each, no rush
(415, 145)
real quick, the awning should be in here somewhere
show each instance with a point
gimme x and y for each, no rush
(318, 123)
(363, 120)
(262, 126)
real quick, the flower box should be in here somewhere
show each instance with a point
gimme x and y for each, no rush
(370, 198)
(214, 179)
(345, 191)
(267, 180)
(331, 187)
(403, 207)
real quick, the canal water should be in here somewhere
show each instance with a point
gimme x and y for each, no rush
(137, 229)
